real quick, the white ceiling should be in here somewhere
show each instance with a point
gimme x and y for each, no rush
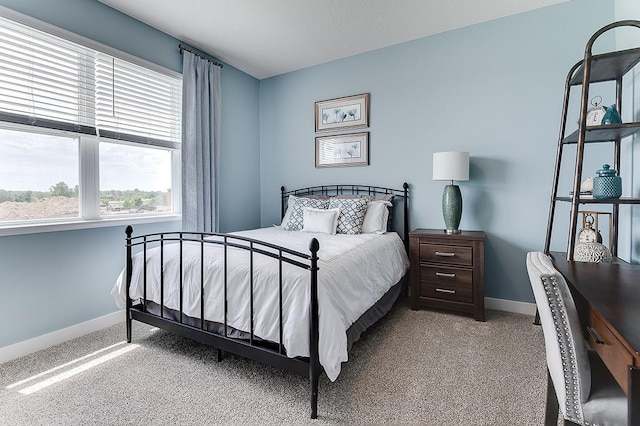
(269, 37)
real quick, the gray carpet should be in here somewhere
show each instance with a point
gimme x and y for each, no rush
(413, 367)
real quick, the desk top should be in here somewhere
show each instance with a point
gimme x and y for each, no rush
(613, 289)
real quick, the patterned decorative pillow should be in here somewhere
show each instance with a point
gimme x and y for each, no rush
(289, 206)
(295, 221)
(352, 211)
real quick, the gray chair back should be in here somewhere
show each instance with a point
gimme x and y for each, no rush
(567, 357)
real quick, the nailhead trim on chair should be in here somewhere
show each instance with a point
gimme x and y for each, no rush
(573, 406)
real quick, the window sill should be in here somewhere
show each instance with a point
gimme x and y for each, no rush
(34, 228)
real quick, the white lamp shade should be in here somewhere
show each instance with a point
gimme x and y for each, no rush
(452, 165)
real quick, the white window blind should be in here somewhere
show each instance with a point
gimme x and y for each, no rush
(137, 104)
(50, 82)
(46, 81)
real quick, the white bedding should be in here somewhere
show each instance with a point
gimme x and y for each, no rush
(354, 272)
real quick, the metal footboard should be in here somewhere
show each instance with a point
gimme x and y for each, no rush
(249, 348)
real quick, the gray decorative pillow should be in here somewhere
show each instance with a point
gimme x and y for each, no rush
(295, 221)
(352, 211)
(384, 197)
(379, 197)
(353, 197)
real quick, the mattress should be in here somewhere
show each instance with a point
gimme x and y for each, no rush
(355, 271)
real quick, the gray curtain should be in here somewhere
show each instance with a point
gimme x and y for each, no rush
(201, 101)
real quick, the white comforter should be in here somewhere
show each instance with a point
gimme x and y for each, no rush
(355, 271)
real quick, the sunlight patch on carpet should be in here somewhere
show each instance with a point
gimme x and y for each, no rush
(74, 371)
(44, 373)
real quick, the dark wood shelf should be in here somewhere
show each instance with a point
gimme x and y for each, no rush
(590, 200)
(608, 133)
(561, 256)
(608, 66)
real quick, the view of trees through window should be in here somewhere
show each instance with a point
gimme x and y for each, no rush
(39, 178)
(134, 201)
(85, 134)
(134, 179)
(61, 201)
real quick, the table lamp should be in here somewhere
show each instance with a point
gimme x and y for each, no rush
(452, 165)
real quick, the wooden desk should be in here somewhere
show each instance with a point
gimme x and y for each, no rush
(607, 297)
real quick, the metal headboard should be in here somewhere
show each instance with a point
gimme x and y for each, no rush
(401, 196)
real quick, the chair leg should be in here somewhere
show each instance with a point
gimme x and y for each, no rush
(552, 408)
(633, 413)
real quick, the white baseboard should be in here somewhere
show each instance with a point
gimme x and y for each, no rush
(510, 306)
(29, 346)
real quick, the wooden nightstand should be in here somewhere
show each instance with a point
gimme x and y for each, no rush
(447, 271)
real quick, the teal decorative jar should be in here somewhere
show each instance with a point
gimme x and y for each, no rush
(606, 184)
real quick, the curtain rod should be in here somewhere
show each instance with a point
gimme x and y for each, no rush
(183, 47)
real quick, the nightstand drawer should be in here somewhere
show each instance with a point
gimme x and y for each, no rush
(446, 276)
(440, 253)
(458, 293)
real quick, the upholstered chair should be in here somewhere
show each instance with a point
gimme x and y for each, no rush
(585, 391)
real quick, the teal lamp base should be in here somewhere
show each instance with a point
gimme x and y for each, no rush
(452, 208)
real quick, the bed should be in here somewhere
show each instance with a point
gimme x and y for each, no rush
(294, 296)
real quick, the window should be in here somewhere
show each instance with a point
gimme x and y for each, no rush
(38, 175)
(84, 134)
(134, 179)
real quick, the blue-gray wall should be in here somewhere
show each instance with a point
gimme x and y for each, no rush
(53, 280)
(494, 89)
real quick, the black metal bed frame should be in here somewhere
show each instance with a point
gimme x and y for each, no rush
(355, 190)
(251, 348)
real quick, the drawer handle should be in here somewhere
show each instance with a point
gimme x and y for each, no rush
(595, 335)
(442, 274)
(444, 290)
(445, 254)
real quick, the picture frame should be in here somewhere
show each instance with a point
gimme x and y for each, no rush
(342, 150)
(350, 112)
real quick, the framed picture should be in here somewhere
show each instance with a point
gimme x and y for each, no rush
(342, 150)
(342, 113)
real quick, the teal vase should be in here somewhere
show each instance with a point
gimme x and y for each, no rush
(611, 116)
(452, 208)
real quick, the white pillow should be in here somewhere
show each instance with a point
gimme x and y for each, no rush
(323, 221)
(376, 217)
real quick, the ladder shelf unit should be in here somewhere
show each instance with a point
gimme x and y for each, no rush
(607, 67)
